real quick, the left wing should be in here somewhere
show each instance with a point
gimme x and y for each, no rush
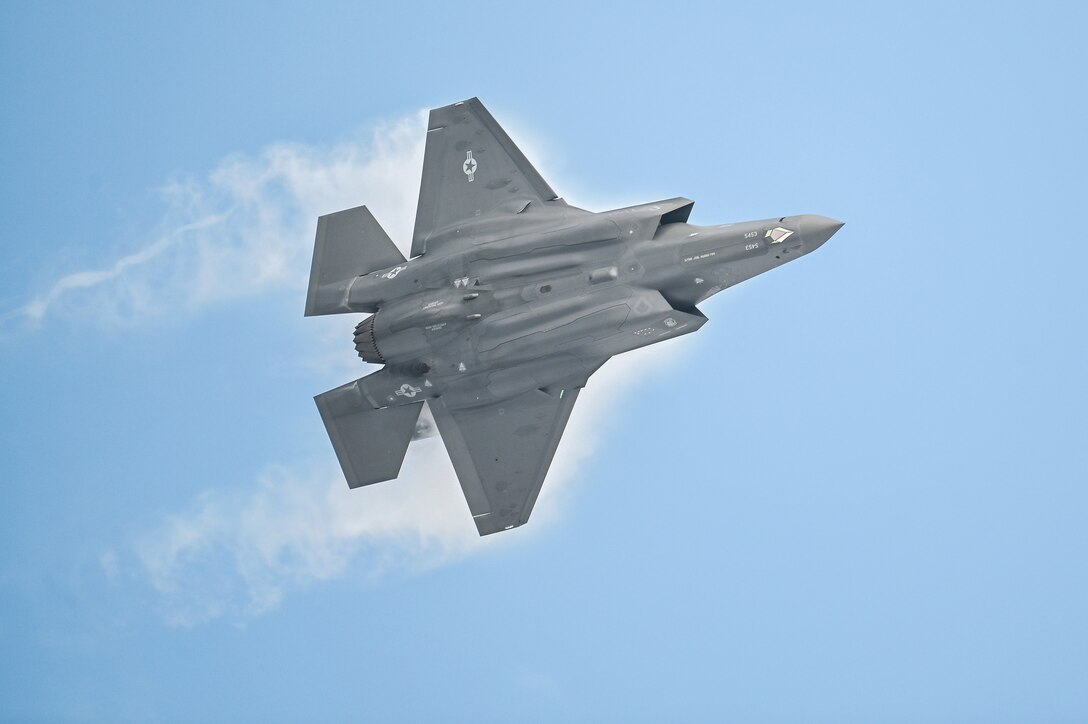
(502, 452)
(470, 167)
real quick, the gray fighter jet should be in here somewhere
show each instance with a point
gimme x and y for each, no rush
(511, 300)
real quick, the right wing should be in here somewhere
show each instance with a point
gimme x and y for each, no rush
(502, 452)
(470, 167)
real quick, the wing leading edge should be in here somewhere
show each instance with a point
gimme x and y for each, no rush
(470, 167)
(502, 452)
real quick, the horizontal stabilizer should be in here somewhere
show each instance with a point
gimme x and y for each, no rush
(370, 443)
(349, 245)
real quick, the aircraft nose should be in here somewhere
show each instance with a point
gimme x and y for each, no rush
(816, 229)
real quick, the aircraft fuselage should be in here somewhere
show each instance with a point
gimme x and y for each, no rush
(571, 288)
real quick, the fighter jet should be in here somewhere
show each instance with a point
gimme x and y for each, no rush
(511, 300)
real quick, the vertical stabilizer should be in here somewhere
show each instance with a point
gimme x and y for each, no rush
(349, 244)
(370, 442)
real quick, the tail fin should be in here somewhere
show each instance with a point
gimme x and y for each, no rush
(349, 244)
(370, 443)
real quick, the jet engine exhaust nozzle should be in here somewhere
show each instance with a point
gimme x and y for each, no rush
(365, 344)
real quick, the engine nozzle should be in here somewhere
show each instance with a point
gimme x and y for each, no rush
(365, 343)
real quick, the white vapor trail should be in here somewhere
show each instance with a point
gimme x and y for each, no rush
(246, 229)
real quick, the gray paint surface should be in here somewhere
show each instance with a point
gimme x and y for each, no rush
(511, 300)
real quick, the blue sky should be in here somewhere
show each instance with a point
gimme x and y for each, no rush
(858, 494)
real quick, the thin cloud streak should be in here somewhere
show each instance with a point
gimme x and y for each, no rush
(40, 306)
(245, 229)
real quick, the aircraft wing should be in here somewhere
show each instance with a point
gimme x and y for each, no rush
(470, 167)
(502, 452)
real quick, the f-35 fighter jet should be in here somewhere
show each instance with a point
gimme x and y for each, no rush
(511, 300)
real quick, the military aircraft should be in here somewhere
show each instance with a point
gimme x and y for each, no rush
(511, 300)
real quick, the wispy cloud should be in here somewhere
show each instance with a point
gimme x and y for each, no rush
(237, 553)
(81, 280)
(245, 228)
